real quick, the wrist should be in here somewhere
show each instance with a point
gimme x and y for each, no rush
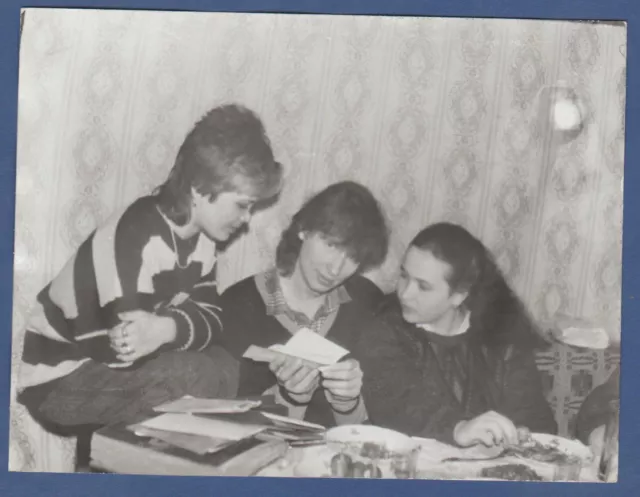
(345, 406)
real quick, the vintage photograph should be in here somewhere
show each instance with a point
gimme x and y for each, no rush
(318, 246)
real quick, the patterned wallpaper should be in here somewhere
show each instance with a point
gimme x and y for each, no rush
(439, 117)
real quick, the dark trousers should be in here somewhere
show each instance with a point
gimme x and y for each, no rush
(96, 395)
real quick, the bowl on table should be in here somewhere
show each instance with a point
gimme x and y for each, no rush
(366, 451)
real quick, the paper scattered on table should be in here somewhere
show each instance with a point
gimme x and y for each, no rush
(208, 427)
(194, 443)
(188, 404)
(283, 420)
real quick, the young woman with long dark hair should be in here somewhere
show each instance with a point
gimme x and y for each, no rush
(451, 355)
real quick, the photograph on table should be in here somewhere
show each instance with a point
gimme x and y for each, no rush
(318, 246)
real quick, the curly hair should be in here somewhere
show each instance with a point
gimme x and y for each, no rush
(496, 312)
(345, 213)
(227, 150)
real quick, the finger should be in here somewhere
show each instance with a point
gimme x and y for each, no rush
(116, 331)
(504, 430)
(129, 354)
(511, 434)
(485, 437)
(289, 369)
(276, 363)
(523, 434)
(336, 386)
(344, 394)
(132, 315)
(342, 375)
(347, 365)
(508, 430)
(134, 356)
(302, 374)
(502, 435)
(305, 384)
(118, 343)
(485, 432)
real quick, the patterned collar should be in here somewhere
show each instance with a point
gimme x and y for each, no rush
(276, 305)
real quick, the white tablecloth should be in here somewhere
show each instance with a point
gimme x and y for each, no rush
(312, 462)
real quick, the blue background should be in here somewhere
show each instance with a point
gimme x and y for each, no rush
(120, 485)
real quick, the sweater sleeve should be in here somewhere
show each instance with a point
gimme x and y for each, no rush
(523, 399)
(595, 408)
(197, 317)
(400, 392)
(138, 248)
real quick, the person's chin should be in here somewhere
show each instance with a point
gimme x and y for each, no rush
(218, 236)
(409, 316)
(321, 288)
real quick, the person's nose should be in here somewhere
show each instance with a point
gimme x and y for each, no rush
(336, 264)
(246, 217)
(405, 290)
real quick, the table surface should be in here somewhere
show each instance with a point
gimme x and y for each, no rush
(313, 461)
(430, 464)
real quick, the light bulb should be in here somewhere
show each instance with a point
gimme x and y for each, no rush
(566, 115)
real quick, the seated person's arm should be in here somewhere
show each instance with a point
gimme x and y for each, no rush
(198, 319)
(190, 323)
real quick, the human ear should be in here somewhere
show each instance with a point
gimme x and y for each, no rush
(458, 298)
(195, 197)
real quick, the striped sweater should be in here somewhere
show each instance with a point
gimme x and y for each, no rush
(133, 262)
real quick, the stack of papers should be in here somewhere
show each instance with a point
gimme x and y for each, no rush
(188, 404)
(206, 426)
(196, 433)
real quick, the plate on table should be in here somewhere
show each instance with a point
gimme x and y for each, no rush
(537, 459)
(360, 451)
(551, 448)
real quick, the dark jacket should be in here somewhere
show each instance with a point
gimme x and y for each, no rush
(405, 388)
(246, 323)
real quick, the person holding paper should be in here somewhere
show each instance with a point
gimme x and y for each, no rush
(123, 325)
(451, 355)
(315, 287)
